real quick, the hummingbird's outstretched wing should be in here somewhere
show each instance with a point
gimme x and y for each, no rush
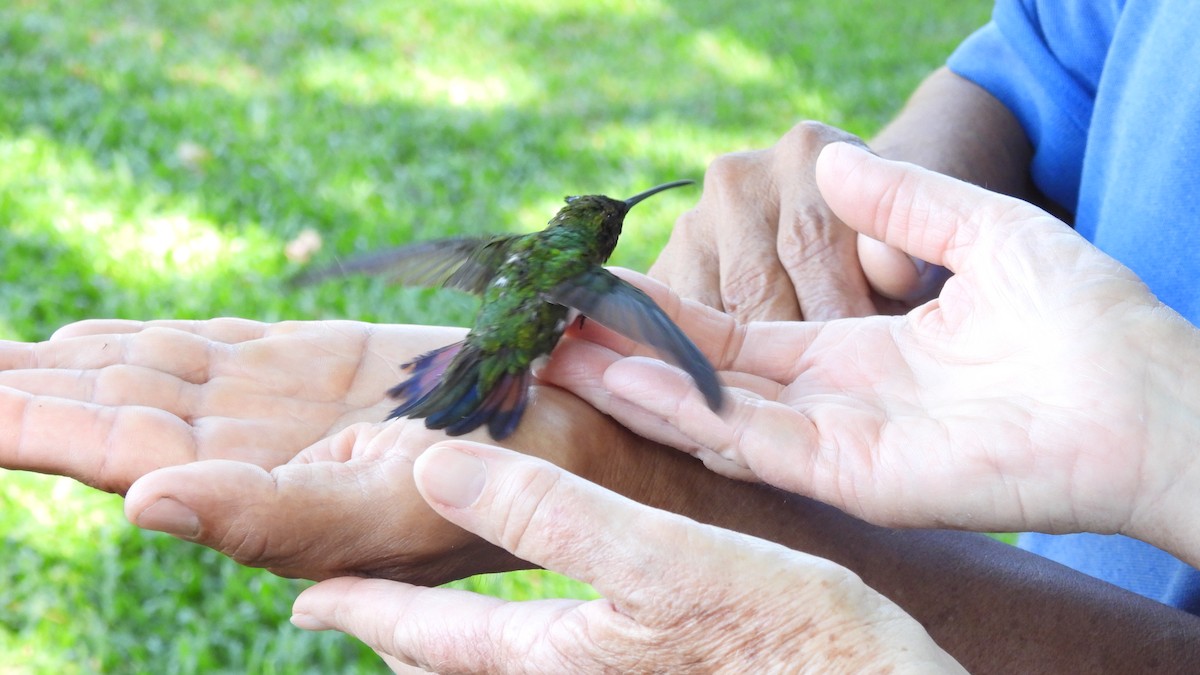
(612, 302)
(465, 263)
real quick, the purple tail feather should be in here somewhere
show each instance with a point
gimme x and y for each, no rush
(444, 388)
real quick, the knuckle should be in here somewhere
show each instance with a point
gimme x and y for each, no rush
(811, 136)
(247, 546)
(157, 346)
(742, 179)
(732, 168)
(817, 240)
(795, 153)
(528, 505)
(111, 382)
(690, 222)
(745, 289)
(813, 223)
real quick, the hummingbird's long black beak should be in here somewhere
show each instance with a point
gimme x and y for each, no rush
(655, 190)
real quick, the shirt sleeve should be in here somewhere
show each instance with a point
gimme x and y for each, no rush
(1043, 60)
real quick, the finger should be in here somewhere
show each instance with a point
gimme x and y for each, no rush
(174, 352)
(824, 275)
(327, 516)
(278, 363)
(348, 508)
(559, 521)
(18, 354)
(578, 366)
(708, 328)
(740, 442)
(765, 349)
(448, 630)
(741, 202)
(394, 618)
(111, 386)
(227, 330)
(688, 263)
(755, 286)
(815, 249)
(107, 448)
(97, 327)
(897, 275)
(925, 214)
(226, 418)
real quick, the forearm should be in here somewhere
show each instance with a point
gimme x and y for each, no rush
(992, 606)
(955, 127)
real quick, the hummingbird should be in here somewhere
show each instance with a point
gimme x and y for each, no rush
(529, 283)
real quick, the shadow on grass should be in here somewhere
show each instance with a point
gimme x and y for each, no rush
(73, 568)
(376, 124)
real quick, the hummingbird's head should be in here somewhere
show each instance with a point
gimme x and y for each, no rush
(604, 216)
(606, 212)
(595, 211)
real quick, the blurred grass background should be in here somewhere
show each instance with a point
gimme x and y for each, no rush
(157, 157)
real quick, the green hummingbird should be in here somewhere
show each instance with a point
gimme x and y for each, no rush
(529, 283)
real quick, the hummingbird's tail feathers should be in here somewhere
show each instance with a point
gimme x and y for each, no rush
(427, 370)
(453, 400)
(501, 409)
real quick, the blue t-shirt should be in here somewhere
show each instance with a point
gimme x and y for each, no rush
(1107, 93)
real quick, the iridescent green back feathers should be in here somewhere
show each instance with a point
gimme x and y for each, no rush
(528, 283)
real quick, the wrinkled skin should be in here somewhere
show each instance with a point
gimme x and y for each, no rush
(241, 421)
(678, 596)
(108, 402)
(1004, 404)
(762, 244)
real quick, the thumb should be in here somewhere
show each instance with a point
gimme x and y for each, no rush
(925, 214)
(295, 519)
(564, 523)
(311, 520)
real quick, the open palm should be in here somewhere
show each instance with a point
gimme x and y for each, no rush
(264, 441)
(1017, 399)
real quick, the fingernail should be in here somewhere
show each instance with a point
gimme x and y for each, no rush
(168, 515)
(452, 477)
(308, 622)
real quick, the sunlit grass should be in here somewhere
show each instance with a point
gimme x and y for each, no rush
(156, 157)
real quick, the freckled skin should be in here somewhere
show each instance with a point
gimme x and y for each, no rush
(528, 284)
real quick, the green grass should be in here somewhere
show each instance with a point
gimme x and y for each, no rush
(157, 156)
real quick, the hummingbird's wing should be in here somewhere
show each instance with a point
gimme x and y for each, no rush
(465, 263)
(605, 298)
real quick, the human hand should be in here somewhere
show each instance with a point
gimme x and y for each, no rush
(1045, 388)
(762, 244)
(679, 596)
(263, 441)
